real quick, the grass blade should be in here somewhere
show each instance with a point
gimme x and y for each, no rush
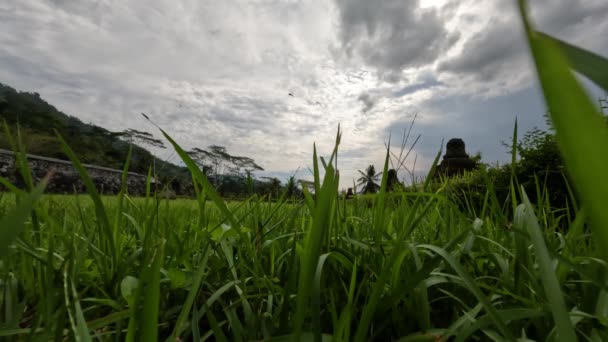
(321, 220)
(472, 286)
(196, 285)
(103, 223)
(525, 219)
(151, 283)
(580, 129)
(587, 63)
(14, 222)
(202, 179)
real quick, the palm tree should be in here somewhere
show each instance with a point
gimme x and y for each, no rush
(369, 179)
(291, 187)
(275, 186)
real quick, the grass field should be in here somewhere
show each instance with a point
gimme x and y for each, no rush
(416, 267)
(409, 267)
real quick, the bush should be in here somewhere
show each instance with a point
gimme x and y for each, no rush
(539, 170)
(541, 162)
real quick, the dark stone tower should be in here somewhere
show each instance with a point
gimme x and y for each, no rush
(455, 160)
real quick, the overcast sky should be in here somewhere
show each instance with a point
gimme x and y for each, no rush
(221, 71)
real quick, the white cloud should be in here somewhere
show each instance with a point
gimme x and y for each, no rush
(221, 72)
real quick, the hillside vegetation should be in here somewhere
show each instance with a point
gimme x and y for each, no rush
(37, 120)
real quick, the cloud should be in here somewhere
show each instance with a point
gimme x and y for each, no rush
(495, 55)
(221, 72)
(391, 35)
(488, 52)
(565, 17)
(412, 88)
(368, 102)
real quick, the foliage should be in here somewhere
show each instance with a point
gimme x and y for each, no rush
(369, 179)
(541, 159)
(539, 171)
(228, 173)
(413, 268)
(36, 120)
(95, 145)
(218, 160)
(132, 136)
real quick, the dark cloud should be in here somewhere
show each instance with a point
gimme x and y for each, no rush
(499, 50)
(489, 52)
(368, 102)
(392, 35)
(562, 16)
(581, 22)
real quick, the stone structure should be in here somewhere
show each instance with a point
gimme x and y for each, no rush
(392, 181)
(64, 177)
(349, 193)
(455, 160)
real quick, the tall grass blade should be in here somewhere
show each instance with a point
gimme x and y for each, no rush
(151, 283)
(508, 315)
(315, 168)
(316, 298)
(103, 223)
(381, 199)
(194, 290)
(580, 129)
(526, 219)
(82, 328)
(202, 179)
(472, 286)
(20, 157)
(587, 63)
(14, 222)
(322, 215)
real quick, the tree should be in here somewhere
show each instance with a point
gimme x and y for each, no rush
(217, 160)
(200, 158)
(133, 136)
(274, 185)
(540, 160)
(291, 188)
(246, 164)
(213, 159)
(38, 121)
(369, 179)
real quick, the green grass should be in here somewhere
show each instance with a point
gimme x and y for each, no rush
(413, 266)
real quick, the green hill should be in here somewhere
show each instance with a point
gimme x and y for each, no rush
(92, 144)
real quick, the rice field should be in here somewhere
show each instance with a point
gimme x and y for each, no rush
(408, 266)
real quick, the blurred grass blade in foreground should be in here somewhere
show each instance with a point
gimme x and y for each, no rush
(587, 63)
(14, 221)
(581, 131)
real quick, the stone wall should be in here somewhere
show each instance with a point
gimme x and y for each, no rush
(65, 178)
